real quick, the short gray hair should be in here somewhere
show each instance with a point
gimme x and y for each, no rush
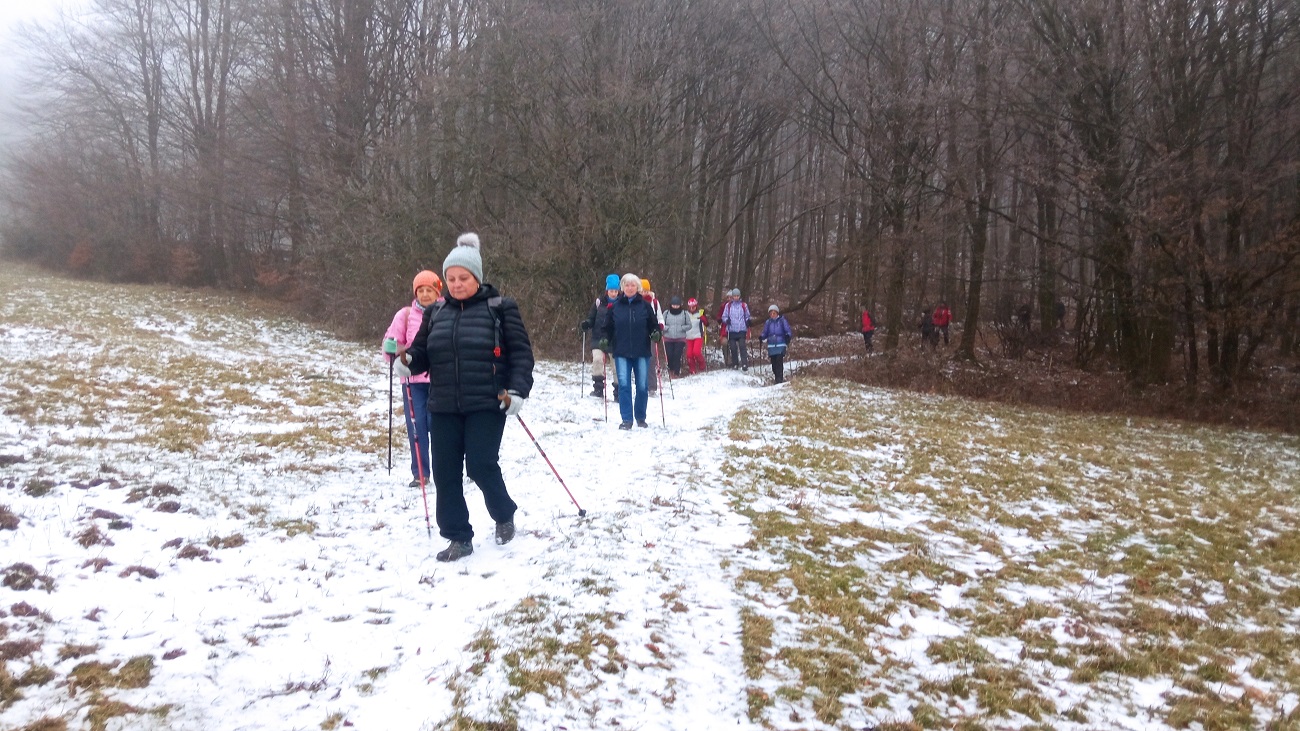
(630, 277)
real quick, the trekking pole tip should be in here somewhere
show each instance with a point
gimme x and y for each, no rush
(582, 513)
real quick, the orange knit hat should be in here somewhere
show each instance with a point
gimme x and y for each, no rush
(427, 278)
(645, 285)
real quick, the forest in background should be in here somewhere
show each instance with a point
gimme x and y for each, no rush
(1134, 160)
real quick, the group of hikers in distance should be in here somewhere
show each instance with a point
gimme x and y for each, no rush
(933, 324)
(627, 323)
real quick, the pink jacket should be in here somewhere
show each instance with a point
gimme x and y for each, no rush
(406, 323)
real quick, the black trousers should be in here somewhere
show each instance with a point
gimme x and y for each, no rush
(739, 346)
(675, 349)
(778, 367)
(473, 441)
(866, 338)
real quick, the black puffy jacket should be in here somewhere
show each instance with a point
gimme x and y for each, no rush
(458, 345)
(597, 322)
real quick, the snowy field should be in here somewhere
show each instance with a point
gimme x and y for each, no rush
(198, 530)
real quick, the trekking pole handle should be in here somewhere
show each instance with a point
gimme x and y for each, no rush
(390, 346)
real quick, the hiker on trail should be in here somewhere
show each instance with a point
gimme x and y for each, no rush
(652, 376)
(415, 392)
(1058, 310)
(735, 317)
(632, 324)
(929, 336)
(1023, 316)
(677, 326)
(777, 335)
(868, 328)
(942, 318)
(473, 345)
(595, 325)
(695, 336)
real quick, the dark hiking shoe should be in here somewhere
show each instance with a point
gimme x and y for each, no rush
(625, 425)
(414, 483)
(745, 369)
(642, 424)
(505, 532)
(455, 550)
(597, 393)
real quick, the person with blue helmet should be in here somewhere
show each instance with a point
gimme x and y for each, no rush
(595, 324)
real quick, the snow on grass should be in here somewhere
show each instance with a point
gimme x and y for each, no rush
(199, 531)
(1083, 563)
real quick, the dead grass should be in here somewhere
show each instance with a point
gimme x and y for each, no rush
(1165, 548)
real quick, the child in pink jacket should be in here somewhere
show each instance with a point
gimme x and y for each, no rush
(415, 390)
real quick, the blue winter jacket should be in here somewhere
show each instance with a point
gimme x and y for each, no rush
(776, 331)
(630, 322)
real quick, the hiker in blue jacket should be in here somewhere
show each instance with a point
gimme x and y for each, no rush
(777, 335)
(632, 324)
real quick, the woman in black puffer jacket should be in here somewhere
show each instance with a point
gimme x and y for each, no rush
(474, 347)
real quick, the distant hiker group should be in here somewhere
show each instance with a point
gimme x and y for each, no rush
(617, 318)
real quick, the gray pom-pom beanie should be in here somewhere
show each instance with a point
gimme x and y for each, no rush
(466, 254)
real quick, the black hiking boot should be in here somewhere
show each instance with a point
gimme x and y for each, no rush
(414, 483)
(597, 387)
(455, 550)
(642, 424)
(625, 425)
(505, 532)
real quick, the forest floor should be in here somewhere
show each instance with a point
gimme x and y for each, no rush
(1046, 376)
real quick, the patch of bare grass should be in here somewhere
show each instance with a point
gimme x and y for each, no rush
(1164, 549)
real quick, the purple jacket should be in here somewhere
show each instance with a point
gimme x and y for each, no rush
(776, 332)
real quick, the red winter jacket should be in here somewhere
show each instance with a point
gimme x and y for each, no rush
(942, 316)
(867, 325)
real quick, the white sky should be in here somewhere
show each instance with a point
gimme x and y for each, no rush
(13, 14)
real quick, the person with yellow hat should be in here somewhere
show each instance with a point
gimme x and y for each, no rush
(652, 378)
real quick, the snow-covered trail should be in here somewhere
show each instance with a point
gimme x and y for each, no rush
(295, 581)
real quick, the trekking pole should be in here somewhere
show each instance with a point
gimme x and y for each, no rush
(671, 391)
(659, 380)
(504, 397)
(390, 347)
(604, 394)
(419, 461)
(582, 374)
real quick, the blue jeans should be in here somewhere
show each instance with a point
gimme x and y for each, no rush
(417, 431)
(626, 367)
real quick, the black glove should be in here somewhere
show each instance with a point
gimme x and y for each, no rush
(585, 325)
(656, 335)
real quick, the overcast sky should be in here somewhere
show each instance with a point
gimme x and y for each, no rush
(13, 13)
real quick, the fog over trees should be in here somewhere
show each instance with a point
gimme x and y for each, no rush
(1135, 161)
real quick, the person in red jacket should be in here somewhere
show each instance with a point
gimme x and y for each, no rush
(868, 329)
(942, 318)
